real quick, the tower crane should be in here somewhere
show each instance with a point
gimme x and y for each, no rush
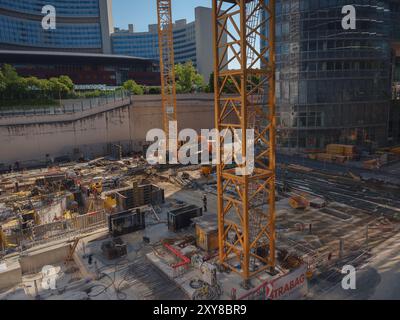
(244, 99)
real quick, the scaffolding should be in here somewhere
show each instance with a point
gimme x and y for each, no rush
(245, 99)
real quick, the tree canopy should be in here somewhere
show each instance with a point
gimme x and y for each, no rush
(187, 78)
(3, 84)
(13, 86)
(210, 87)
(133, 87)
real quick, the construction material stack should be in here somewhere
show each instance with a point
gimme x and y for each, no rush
(338, 153)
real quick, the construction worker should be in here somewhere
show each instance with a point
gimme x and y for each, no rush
(205, 202)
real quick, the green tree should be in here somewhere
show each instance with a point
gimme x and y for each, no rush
(13, 83)
(210, 86)
(154, 90)
(57, 88)
(3, 84)
(65, 80)
(15, 87)
(18, 88)
(33, 83)
(187, 78)
(10, 74)
(45, 87)
(133, 87)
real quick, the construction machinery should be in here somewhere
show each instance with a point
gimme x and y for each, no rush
(167, 65)
(206, 170)
(97, 185)
(245, 99)
(299, 201)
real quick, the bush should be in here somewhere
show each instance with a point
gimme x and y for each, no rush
(187, 78)
(153, 90)
(210, 87)
(133, 87)
(14, 87)
(3, 85)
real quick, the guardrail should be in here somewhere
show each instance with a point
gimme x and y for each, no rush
(65, 106)
(57, 230)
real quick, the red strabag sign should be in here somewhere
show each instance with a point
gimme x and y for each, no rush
(288, 287)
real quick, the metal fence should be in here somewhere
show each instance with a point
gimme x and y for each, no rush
(66, 106)
(58, 230)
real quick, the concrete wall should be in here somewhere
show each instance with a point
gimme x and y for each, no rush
(34, 261)
(12, 276)
(91, 132)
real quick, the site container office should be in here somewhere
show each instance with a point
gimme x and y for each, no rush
(182, 217)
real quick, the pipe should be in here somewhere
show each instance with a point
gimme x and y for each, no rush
(185, 260)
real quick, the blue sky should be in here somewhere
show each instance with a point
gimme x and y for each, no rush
(143, 12)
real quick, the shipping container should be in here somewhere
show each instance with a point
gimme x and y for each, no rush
(182, 217)
(126, 222)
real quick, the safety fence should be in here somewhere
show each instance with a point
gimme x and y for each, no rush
(58, 230)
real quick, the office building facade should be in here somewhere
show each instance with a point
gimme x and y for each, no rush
(82, 68)
(81, 26)
(334, 85)
(79, 46)
(192, 42)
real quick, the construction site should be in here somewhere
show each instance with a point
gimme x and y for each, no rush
(116, 227)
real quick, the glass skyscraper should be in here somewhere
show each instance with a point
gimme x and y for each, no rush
(192, 42)
(82, 26)
(145, 44)
(334, 85)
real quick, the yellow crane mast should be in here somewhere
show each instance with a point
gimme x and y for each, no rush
(167, 63)
(245, 99)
